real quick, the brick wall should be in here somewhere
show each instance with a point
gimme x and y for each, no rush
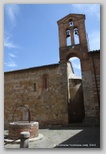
(89, 67)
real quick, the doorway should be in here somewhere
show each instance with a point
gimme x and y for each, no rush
(75, 91)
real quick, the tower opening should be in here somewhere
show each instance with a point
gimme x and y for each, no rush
(75, 91)
(76, 35)
(70, 22)
(68, 37)
(76, 64)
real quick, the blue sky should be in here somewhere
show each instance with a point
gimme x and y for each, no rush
(31, 33)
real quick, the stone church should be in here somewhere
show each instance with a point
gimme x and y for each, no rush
(53, 93)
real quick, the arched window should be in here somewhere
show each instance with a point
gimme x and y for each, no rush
(45, 81)
(70, 22)
(34, 87)
(76, 65)
(76, 35)
(68, 37)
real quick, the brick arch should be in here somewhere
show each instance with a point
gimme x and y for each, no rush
(74, 53)
(75, 104)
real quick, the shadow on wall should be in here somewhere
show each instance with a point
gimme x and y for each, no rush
(76, 105)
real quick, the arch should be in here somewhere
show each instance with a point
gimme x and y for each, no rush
(23, 106)
(73, 53)
(71, 22)
(76, 35)
(76, 54)
(76, 65)
(76, 111)
(68, 37)
(67, 33)
(45, 81)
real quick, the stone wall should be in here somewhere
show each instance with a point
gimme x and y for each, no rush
(76, 104)
(95, 60)
(91, 84)
(44, 90)
(47, 105)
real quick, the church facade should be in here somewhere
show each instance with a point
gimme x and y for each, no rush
(53, 94)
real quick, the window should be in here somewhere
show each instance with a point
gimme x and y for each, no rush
(76, 35)
(68, 37)
(45, 81)
(67, 33)
(76, 31)
(34, 87)
(70, 22)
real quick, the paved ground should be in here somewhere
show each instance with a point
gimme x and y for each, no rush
(69, 137)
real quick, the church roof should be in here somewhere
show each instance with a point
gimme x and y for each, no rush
(37, 67)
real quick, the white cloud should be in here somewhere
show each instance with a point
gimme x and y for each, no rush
(11, 60)
(10, 64)
(12, 55)
(89, 9)
(12, 11)
(9, 43)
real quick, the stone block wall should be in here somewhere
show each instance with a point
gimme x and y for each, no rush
(47, 104)
(91, 84)
(95, 58)
(76, 104)
(44, 90)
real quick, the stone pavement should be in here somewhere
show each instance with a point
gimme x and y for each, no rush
(65, 137)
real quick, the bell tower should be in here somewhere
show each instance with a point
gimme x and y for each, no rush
(72, 36)
(73, 24)
(73, 43)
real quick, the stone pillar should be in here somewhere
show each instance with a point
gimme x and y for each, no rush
(62, 36)
(64, 90)
(89, 102)
(24, 137)
(72, 37)
(82, 31)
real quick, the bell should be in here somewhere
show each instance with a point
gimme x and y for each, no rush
(76, 31)
(67, 34)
